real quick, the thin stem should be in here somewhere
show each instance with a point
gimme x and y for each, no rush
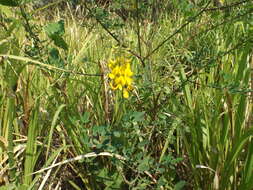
(235, 4)
(176, 32)
(11, 111)
(138, 26)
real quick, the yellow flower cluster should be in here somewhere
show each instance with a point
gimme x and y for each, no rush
(121, 75)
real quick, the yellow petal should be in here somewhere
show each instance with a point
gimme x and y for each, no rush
(111, 63)
(130, 87)
(113, 86)
(128, 72)
(128, 81)
(119, 86)
(111, 76)
(116, 70)
(125, 93)
(128, 65)
(120, 80)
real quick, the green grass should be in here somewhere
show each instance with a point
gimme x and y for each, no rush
(186, 125)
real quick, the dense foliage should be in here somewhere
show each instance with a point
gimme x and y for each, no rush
(126, 94)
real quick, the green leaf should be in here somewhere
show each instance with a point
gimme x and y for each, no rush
(144, 165)
(116, 133)
(14, 3)
(31, 146)
(186, 88)
(138, 116)
(56, 28)
(179, 185)
(55, 31)
(59, 42)
(85, 118)
(11, 76)
(8, 187)
(10, 3)
(55, 58)
(233, 155)
(55, 118)
(99, 130)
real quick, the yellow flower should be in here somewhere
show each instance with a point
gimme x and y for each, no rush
(121, 75)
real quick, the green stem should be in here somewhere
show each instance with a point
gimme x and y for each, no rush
(11, 111)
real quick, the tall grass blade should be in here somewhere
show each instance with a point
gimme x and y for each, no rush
(186, 89)
(31, 147)
(56, 115)
(247, 182)
(233, 156)
(10, 117)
